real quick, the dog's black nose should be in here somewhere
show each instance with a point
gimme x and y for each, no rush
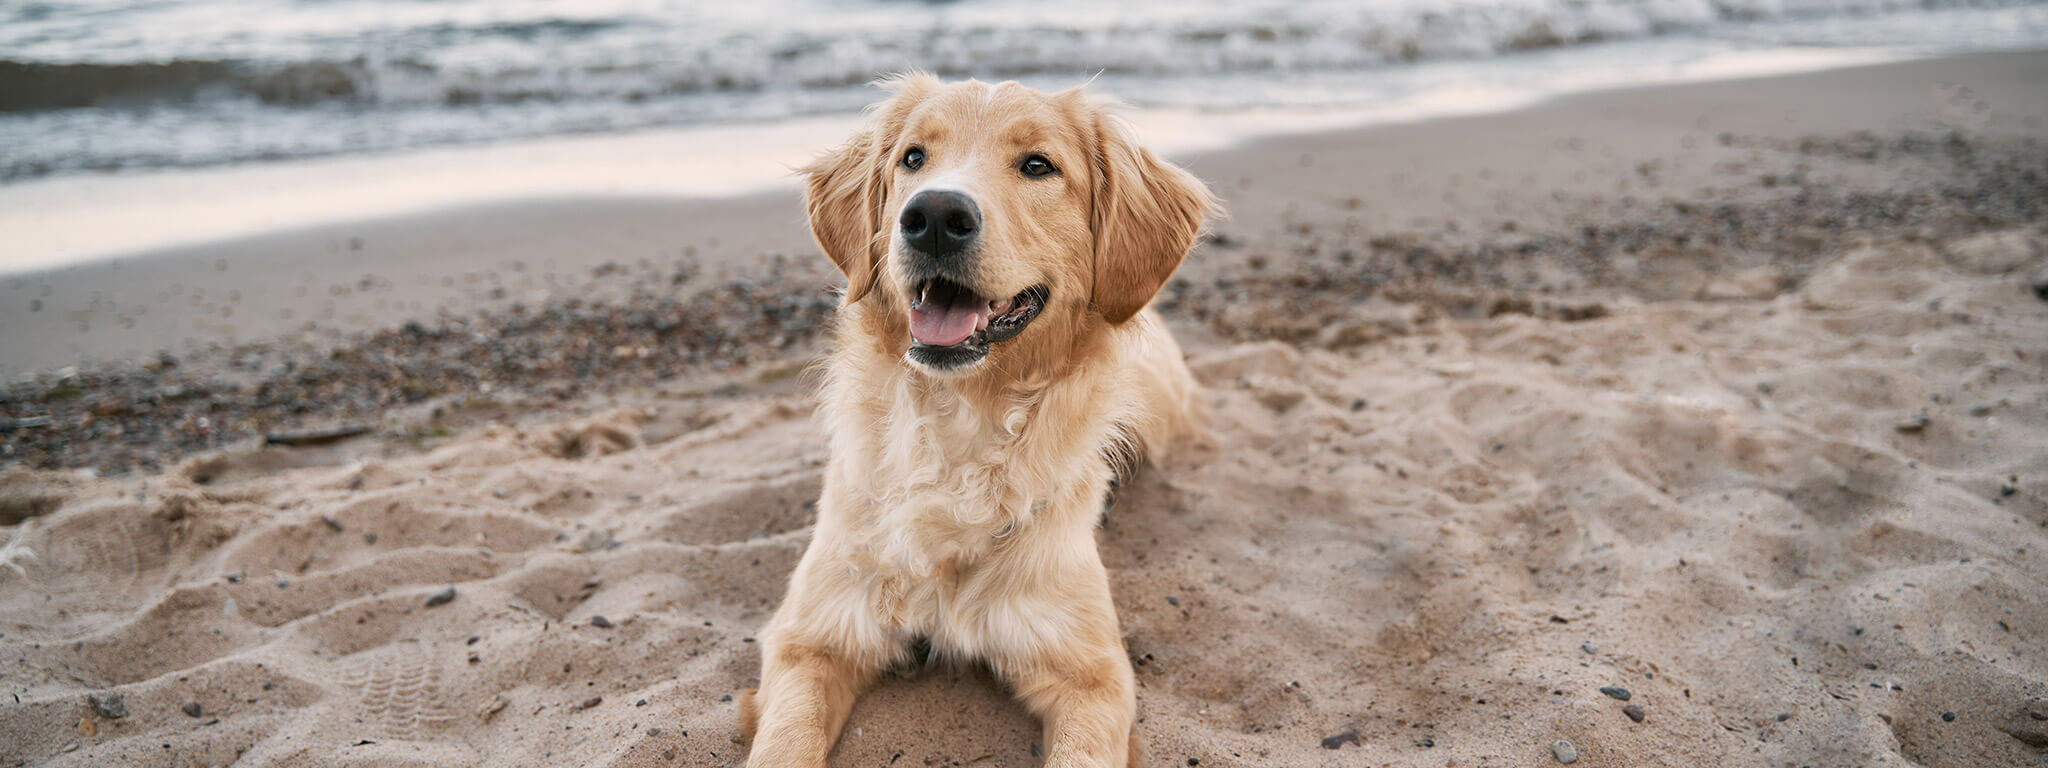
(940, 223)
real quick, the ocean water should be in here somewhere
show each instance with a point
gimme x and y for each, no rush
(101, 85)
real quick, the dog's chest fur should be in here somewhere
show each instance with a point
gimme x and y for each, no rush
(947, 478)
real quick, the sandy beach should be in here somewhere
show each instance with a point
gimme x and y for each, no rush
(1691, 425)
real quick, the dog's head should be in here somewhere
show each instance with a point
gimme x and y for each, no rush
(994, 221)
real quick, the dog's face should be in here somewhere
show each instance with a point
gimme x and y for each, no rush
(994, 221)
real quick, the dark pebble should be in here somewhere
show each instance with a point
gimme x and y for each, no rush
(1425, 742)
(1948, 717)
(1615, 691)
(600, 622)
(1349, 736)
(191, 708)
(1194, 761)
(1634, 712)
(727, 697)
(443, 597)
(1173, 601)
(590, 702)
(640, 703)
(112, 706)
(654, 731)
(1588, 647)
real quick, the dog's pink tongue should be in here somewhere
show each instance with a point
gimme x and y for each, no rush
(947, 316)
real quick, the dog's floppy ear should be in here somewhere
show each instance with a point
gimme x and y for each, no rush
(1147, 215)
(845, 188)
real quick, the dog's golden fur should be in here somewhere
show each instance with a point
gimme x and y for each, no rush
(960, 505)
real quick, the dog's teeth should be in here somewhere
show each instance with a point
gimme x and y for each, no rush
(999, 307)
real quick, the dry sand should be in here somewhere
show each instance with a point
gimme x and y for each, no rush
(1766, 447)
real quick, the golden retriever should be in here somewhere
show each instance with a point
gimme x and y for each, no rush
(996, 363)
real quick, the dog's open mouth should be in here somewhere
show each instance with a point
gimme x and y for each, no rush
(952, 325)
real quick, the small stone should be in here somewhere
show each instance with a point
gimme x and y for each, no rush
(590, 702)
(640, 703)
(191, 709)
(654, 731)
(1615, 692)
(1349, 736)
(497, 704)
(1913, 423)
(600, 622)
(727, 697)
(1948, 717)
(1425, 742)
(1173, 601)
(112, 706)
(443, 597)
(1634, 712)
(87, 728)
(1564, 752)
(1588, 647)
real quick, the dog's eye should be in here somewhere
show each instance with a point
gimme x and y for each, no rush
(913, 159)
(1037, 165)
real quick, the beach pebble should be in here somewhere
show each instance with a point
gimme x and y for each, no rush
(1615, 691)
(443, 597)
(1588, 647)
(191, 709)
(2031, 726)
(112, 706)
(491, 708)
(590, 702)
(1913, 423)
(600, 622)
(1634, 712)
(1349, 736)
(1564, 752)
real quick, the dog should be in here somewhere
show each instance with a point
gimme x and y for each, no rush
(996, 363)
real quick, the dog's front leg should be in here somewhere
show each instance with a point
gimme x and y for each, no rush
(814, 663)
(1078, 682)
(806, 693)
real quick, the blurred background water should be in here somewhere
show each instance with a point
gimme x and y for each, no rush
(89, 85)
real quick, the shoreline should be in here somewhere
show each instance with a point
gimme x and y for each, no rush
(87, 218)
(417, 266)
